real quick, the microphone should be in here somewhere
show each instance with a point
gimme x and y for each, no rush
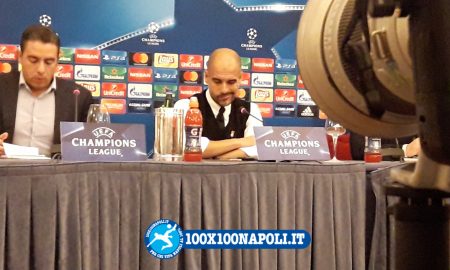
(76, 93)
(243, 110)
(55, 151)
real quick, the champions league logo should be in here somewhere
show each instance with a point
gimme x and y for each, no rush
(45, 20)
(152, 39)
(251, 44)
(104, 143)
(164, 239)
(252, 33)
(292, 143)
(153, 27)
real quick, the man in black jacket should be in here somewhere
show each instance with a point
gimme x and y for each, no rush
(33, 101)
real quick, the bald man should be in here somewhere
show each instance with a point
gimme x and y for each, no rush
(227, 132)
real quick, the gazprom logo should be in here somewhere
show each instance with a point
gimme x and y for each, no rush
(290, 134)
(262, 79)
(88, 73)
(103, 132)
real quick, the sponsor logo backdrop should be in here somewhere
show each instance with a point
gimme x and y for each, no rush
(147, 47)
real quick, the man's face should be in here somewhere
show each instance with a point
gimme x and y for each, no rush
(39, 62)
(223, 83)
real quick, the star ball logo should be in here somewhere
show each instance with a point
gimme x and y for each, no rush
(45, 20)
(164, 239)
(153, 27)
(251, 44)
(152, 39)
(252, 33)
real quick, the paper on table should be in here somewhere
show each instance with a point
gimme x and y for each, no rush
(410, 159)
(24, 152)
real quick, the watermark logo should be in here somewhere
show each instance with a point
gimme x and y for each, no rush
(164, 239)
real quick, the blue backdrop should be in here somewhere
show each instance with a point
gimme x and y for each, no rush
(254, 28)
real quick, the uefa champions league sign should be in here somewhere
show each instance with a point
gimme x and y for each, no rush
(102, 142)
(291, 143)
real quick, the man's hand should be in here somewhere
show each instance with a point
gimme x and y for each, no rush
(3, 137)
(413, 148)
(248, 141)
(217, 148)
(238, 153)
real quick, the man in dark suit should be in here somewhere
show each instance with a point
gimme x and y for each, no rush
(33, 101)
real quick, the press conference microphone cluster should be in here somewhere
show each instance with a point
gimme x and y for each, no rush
(76, 93)
(243, 110)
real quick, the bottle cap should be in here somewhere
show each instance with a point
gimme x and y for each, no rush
(193, 102)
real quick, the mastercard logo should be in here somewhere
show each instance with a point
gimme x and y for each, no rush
(190, 76)
(140, 58)
(5, 67)
(241, 93)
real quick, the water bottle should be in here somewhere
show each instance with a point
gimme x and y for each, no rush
(193, 129)
(168, 102)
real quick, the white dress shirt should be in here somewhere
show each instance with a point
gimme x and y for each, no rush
(35, 118)
(251, 121)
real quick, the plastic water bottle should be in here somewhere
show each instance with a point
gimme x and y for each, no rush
(168, 102)
(193, 129)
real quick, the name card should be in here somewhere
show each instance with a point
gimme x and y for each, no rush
(291, 143)
(102, 142)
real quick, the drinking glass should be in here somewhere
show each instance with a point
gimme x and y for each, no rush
(372, 150)
(335, 130)
(98, 113)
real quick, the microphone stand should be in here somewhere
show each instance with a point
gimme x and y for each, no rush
(76, 93)
(244, 111)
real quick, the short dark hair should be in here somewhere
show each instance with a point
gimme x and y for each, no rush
(40, 33)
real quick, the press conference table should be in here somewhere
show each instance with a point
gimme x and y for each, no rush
(56, 215)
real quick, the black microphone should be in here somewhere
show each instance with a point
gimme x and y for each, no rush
(243, 110)
(55, 151)
(76, 93)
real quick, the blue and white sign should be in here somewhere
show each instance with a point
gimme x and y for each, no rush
(286, 65)
(246, 239)
(102, 142)
(165, 75)
(114, 57)
(164, 239)
(291, 143)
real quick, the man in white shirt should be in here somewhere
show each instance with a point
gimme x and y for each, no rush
(34, 102)
(227, 120)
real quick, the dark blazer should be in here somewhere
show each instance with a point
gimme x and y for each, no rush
(64, 104)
